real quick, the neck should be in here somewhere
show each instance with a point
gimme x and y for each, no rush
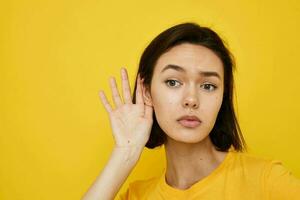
(188, 163)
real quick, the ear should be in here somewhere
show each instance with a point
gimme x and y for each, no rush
(146, 95)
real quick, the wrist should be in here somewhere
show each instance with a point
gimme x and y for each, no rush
(129, 155)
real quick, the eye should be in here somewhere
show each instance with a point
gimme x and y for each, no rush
(209, 87)
(172, 82)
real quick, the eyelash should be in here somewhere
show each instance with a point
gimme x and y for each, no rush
(214, 87)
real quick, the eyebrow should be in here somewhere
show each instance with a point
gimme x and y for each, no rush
(201, 73)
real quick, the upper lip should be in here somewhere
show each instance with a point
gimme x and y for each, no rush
(189, 117)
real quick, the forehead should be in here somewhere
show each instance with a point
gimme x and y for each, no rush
(192, 58)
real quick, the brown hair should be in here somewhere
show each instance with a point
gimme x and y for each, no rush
(226, 131)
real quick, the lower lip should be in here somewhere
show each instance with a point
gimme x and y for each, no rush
(189, 123)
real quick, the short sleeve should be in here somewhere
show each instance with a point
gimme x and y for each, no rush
(280, 183)
(123, 196)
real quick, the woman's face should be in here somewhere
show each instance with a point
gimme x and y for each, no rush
(180, 86)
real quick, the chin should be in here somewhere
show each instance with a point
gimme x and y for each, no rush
(188, 137)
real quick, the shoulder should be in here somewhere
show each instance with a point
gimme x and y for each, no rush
(276, 171)
(269, 165)
(252, 161)
(250, 166)
(279, 181)
(276, 179)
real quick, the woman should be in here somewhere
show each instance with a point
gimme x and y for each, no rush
(183, 99)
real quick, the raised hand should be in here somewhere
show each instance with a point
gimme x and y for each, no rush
(131, 123)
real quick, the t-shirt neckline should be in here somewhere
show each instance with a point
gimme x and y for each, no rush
(169, 189)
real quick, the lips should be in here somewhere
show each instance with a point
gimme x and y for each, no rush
(190, 121)
(189, 117)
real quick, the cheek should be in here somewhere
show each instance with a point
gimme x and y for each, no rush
(218, 102)
(165, 100)
(212, 108)
(163, 105)
(165, 108)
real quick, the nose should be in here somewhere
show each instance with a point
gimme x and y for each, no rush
(191, 101)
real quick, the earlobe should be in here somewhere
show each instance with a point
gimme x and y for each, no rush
(147, 97)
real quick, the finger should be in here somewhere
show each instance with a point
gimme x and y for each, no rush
(115, 93)
(125, 86)
(148, 112)
(139, 96)
(105, 102)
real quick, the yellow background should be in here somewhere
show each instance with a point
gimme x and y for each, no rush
(55, 56)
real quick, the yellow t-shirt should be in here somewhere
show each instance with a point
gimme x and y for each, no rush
(240, 176)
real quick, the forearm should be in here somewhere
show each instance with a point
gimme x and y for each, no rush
(114, 174)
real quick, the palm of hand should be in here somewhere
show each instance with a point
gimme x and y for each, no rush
(131, 123)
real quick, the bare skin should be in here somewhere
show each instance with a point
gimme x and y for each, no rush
(202, 159)
(131, 125)
(190, 154)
